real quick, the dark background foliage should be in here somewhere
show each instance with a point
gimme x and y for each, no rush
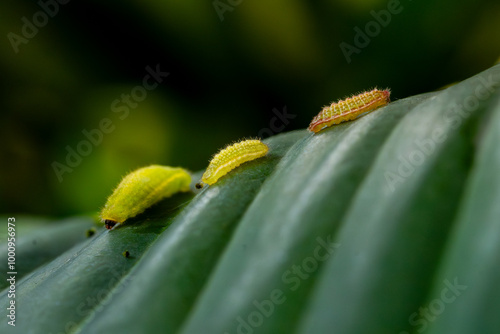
(228, 79)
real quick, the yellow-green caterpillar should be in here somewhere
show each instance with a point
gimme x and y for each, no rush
(141, 189)
(349, 109)
(231, 157)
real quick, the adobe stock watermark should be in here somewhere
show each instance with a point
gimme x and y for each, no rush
(277, 123)
(436, 307)
(30, 28)
(372, 29)
(426, 147)
(293, 277)
(222, 6)
(120, 106)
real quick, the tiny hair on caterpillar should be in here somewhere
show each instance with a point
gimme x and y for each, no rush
(349, 109)
(231, 157)
(142, 188)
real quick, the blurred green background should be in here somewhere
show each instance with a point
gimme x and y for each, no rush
(232, 66)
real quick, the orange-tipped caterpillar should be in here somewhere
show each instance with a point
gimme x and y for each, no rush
(349, 109)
